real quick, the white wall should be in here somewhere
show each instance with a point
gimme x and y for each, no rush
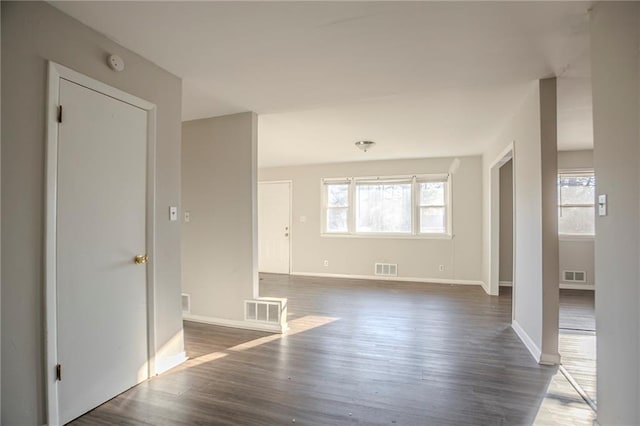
(532, 134)
(33, 32)
(219, 190)
(577, 254)
(416, 258)
(615, 73)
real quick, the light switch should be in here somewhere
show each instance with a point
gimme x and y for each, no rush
(187, 216)
(602, 205)
(173, 213)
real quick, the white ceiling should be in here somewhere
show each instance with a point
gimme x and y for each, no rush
(422, 79)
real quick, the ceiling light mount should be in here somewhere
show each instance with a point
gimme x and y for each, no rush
(365, 145)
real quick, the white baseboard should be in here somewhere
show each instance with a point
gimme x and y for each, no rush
(246, 325)
(549, 359)
(167, 363)
(570, 286)
(541, 358)
(526, 339)
(384, 278)
(573, 286)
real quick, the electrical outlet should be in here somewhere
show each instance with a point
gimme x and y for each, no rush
(326, 263)
(173, 213)
(441, 268)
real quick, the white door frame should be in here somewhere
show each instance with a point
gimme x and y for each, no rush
(55, 73)
(290, 182)
(508, 153)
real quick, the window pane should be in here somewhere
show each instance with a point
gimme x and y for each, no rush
(432, 193)
(338, 195)
(577, 189)
(383, 208)
(577, 220)
(433, 220)
(337, 219)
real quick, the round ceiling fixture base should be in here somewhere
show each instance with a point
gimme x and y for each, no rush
(365, 145)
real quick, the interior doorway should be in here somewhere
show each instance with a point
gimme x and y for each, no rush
(506, 227)
(577, 327)
(274, 227)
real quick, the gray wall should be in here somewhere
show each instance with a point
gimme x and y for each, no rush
(615, 71)
(532, 131)
(416, 258)
(506, 222)
(32, 33)
(219, 187)
(577, 254)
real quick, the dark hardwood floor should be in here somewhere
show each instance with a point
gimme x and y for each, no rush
(358, 352)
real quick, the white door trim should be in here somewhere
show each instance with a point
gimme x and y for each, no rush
(55, 73)
(508, 153)
(290, 182)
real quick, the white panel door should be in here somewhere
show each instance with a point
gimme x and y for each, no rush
(101, 227)
(274, 229)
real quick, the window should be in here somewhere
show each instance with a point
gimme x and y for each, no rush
(433, 207)
(337, 219)
(383, 207)
(576, 203)
(400, 205)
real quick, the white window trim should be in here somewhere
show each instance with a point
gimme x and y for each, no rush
(415, 207)
(576, 237)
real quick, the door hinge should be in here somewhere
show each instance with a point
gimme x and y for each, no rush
(59, 372)
(59, 113)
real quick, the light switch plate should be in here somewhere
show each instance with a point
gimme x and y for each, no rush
(173, 213)
(602, 205)
(187, 216)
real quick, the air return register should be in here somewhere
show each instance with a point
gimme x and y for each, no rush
(386, 269)
(267, 310)
(574, 276)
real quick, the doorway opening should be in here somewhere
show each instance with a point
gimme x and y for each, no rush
(576, 227)
(505, 272)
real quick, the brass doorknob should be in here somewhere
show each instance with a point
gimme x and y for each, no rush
(141, 259)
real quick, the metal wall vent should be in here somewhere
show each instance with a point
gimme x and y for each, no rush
(386, 269)
(262, 311)
(574, 276)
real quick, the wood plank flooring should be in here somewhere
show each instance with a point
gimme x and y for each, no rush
(358, 352)
(578, 337)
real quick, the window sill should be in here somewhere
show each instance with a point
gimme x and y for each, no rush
(391, 236)
(570, 237)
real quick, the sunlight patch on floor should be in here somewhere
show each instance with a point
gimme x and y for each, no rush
(562, 405)
(298, 325)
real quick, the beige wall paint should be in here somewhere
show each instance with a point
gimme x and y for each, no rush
(577, 255)
(550, 243)
(575, 160)
(219, 190)
(531, 132)
(506, 222)
(615, 74)
(32, 33)
(416, 258)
